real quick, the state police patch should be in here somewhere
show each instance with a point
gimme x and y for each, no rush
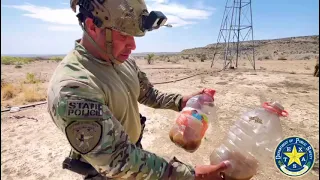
(83, 109)
(84, 136)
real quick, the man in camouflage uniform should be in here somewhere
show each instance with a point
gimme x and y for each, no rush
(94, 93)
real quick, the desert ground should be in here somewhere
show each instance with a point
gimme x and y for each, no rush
(33, 148)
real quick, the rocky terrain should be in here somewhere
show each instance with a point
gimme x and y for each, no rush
(296, 48)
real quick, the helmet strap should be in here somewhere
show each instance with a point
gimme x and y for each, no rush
(109, 45)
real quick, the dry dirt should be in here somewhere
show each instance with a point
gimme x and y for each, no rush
(33, 148)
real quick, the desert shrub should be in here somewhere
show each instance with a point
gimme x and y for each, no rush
(8, 91)
(150, 58)
(18, 66)
(31, 78)
(175, 61)
(267, 57)
(40, 58)
(203, 57)
(185, 57)
(33, 94)
(57, 59)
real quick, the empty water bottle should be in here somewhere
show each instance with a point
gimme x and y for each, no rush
(251, 141)
(193, 120)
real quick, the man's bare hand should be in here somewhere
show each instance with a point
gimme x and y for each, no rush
(211, 172)
(187, 97)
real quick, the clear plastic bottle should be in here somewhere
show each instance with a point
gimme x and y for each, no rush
(251, 141)
(193, 120)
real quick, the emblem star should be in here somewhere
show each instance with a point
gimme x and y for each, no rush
(83, 138)
(294, 156)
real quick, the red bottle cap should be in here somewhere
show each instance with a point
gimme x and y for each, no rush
(276, 108)
(209, 92)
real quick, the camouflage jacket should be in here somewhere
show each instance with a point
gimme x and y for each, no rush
(95, 104)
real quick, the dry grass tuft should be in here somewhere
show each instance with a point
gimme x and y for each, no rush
(8, 91)
(22, 93)
(33, 94)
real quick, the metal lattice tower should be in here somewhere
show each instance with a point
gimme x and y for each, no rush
(235, 39)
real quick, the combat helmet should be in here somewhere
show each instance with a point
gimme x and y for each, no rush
(129, 17)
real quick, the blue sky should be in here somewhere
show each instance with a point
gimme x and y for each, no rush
(50, 27)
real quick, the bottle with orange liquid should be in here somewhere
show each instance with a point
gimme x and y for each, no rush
(192, 122)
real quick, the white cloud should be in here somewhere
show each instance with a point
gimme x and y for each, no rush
(181, 11)
(61, 18)
(175, 21)
(200, 5)
(180, 15)
(56, 16)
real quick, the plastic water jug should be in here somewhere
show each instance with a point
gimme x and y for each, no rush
(251, 141)
(192, 122)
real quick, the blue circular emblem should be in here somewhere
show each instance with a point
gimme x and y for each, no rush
(294, 156)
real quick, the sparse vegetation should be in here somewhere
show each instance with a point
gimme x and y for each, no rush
(150, 58)
(20, 93)
(18, 66)
(203, 58)
(176, 61)
(8, 91)
(266, 57)
(31, 78)
(33, 94)
(8, 60)
(57, 59)
(19, 61)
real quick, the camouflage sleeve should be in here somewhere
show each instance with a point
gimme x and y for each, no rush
(152, 97)
(97, 135)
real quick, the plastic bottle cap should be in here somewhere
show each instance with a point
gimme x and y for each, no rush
(277, 106)
(209, 92)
